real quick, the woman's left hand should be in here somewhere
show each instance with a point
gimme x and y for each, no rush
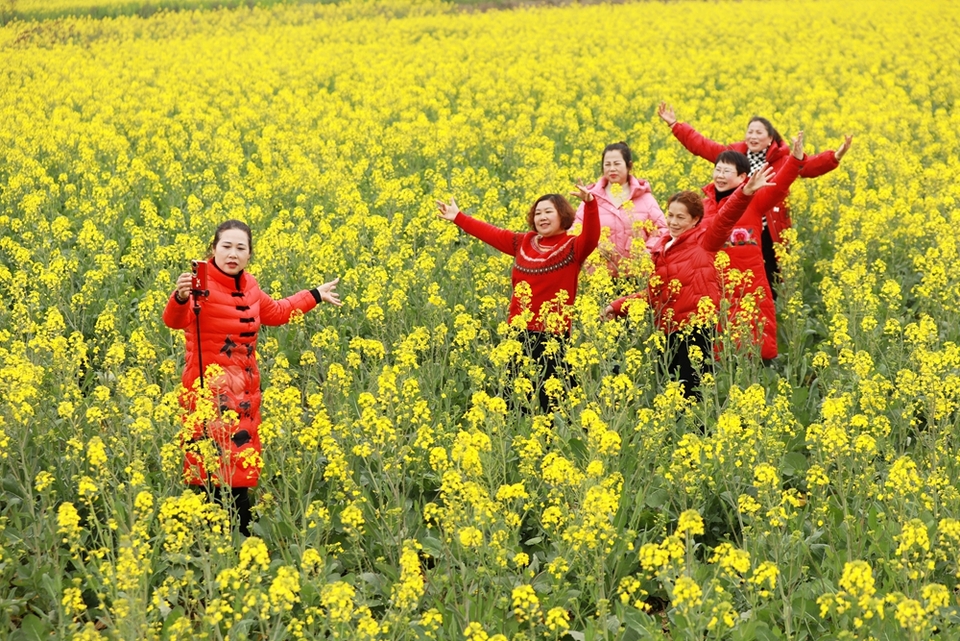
(582, 192)
(327, 293)
(844, 147)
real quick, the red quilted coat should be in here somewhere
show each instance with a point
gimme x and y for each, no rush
(777, 213)
(689, 262)
(230, 320)
(743, 248)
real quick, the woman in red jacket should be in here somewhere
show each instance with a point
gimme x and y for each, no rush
(547, 260)
(762, 144)
(685, 275)
(220, 437)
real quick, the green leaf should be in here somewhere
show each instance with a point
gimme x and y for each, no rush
(793, 464)
(657, 498)
(175, 615)
(33, 628)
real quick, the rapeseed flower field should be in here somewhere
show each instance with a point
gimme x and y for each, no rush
(406, 493)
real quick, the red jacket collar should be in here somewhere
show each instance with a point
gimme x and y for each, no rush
(224, 278)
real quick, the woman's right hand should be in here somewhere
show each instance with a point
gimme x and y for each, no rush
(609, 313)
(184, 286)
(448, 211)
(666, 113)
(760, 178)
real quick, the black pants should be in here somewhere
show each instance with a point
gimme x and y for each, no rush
(241, 503)
(548, 365)
(770, 264)
(680, 367)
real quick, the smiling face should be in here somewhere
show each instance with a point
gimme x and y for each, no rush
(546, 219)
(232, 251)
(758, 138)
(615, 168)
(725, 177)
(679, 219)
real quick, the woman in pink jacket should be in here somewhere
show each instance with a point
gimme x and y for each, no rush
(761, 144)
(222, 318)
(627, 207)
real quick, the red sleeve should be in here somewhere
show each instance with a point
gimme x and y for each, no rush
(696, 143)
(176, 315)
(277, 312)
(725, 220)
(500, 239)
(579, 216)
(819, 164)
(589, 237)
(768, 197)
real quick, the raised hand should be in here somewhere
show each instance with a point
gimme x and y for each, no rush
(448, 211)
(582, 193)
(328, 295)
(798, 146)
(760, 178)
(666, 113)
(844, 147)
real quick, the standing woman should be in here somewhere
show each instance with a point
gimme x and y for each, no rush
(762, 144)
(685, 274)
(222, 448)
(626, 204)
(547, 259)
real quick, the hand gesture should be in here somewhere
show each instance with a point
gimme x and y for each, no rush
(608, 313)
(844, 147)
(666, 113)
(184, 286)
(798, 146)
(448, 211)
(582, 193)
(760, 178)
(327, 293)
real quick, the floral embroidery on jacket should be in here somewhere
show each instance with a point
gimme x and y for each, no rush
(741, 236)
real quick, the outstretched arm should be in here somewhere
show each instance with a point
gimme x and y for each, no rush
(277, 312)
(501, 239)
(825, 162)
(696, 143)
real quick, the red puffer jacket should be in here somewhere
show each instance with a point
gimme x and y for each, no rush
(689, 262)
(743, 248)
(230, 319)
(777, 214)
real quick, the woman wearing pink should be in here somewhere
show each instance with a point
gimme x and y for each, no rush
(627, 207)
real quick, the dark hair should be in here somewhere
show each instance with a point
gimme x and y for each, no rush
(773, 133)
(226, 225)
(567, 213)
(735, 158)
(691, 201)
(624, 153)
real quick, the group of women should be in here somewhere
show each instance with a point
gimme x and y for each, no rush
(741, 212)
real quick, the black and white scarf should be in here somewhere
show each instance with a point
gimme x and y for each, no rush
(756, 158)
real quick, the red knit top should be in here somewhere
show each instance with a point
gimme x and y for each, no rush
(550, 266)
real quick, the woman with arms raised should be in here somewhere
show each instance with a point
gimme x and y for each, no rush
(685, 277)
(547, 262)
(761, 144)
